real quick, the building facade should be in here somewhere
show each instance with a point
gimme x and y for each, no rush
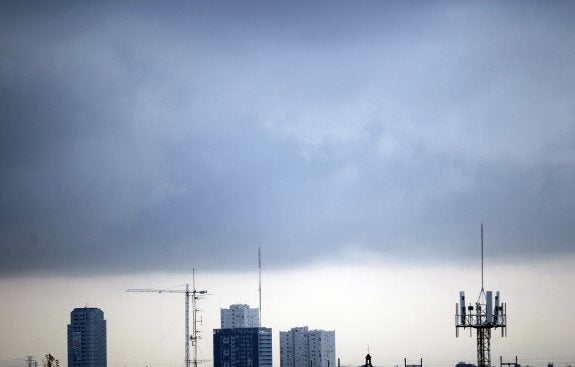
(239, 316)
(301, 347)
(87, 338)
(243, 347)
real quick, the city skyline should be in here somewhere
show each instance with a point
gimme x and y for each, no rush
(359, 144)
(396, 323)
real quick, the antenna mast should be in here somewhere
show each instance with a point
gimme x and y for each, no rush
(482, 317)
(482, 256)
(260, 284)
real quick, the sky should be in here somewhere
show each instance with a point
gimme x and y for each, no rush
(142, 139)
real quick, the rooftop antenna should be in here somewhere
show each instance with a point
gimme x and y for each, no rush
(486, 317)
(196, 295)
(413, 365)
(508, 364)
(260, 284)
(481, 256)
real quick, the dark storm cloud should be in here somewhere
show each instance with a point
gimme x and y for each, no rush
(142, 137)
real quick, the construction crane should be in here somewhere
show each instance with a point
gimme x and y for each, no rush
(196, 295)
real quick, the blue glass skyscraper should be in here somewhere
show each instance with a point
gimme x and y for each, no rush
(87, 338)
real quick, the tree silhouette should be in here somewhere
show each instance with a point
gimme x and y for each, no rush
(50, 361)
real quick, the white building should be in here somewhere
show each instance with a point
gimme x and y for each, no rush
(239, 316)
(301, 347)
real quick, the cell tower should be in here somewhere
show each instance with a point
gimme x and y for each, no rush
(483, 317)
(196, 295)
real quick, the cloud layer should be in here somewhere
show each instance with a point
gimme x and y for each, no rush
(137, 137)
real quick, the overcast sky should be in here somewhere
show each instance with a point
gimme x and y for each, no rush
(141, 139)
(150, 136)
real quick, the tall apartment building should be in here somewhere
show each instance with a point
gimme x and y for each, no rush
(301, 347)
(238, 316)
(241, 342)
(87, 338)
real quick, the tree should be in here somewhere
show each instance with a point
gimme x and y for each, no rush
(50, 361)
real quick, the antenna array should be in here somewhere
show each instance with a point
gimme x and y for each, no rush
(482, 317)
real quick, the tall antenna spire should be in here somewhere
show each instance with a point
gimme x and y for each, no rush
(482, 256)
(260, 284)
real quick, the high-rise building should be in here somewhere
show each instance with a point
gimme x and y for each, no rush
(243, 347)
(238, 316)
(310, 348)
(87, 338)
(241, 342)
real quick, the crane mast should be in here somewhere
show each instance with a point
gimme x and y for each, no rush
(196, 295)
